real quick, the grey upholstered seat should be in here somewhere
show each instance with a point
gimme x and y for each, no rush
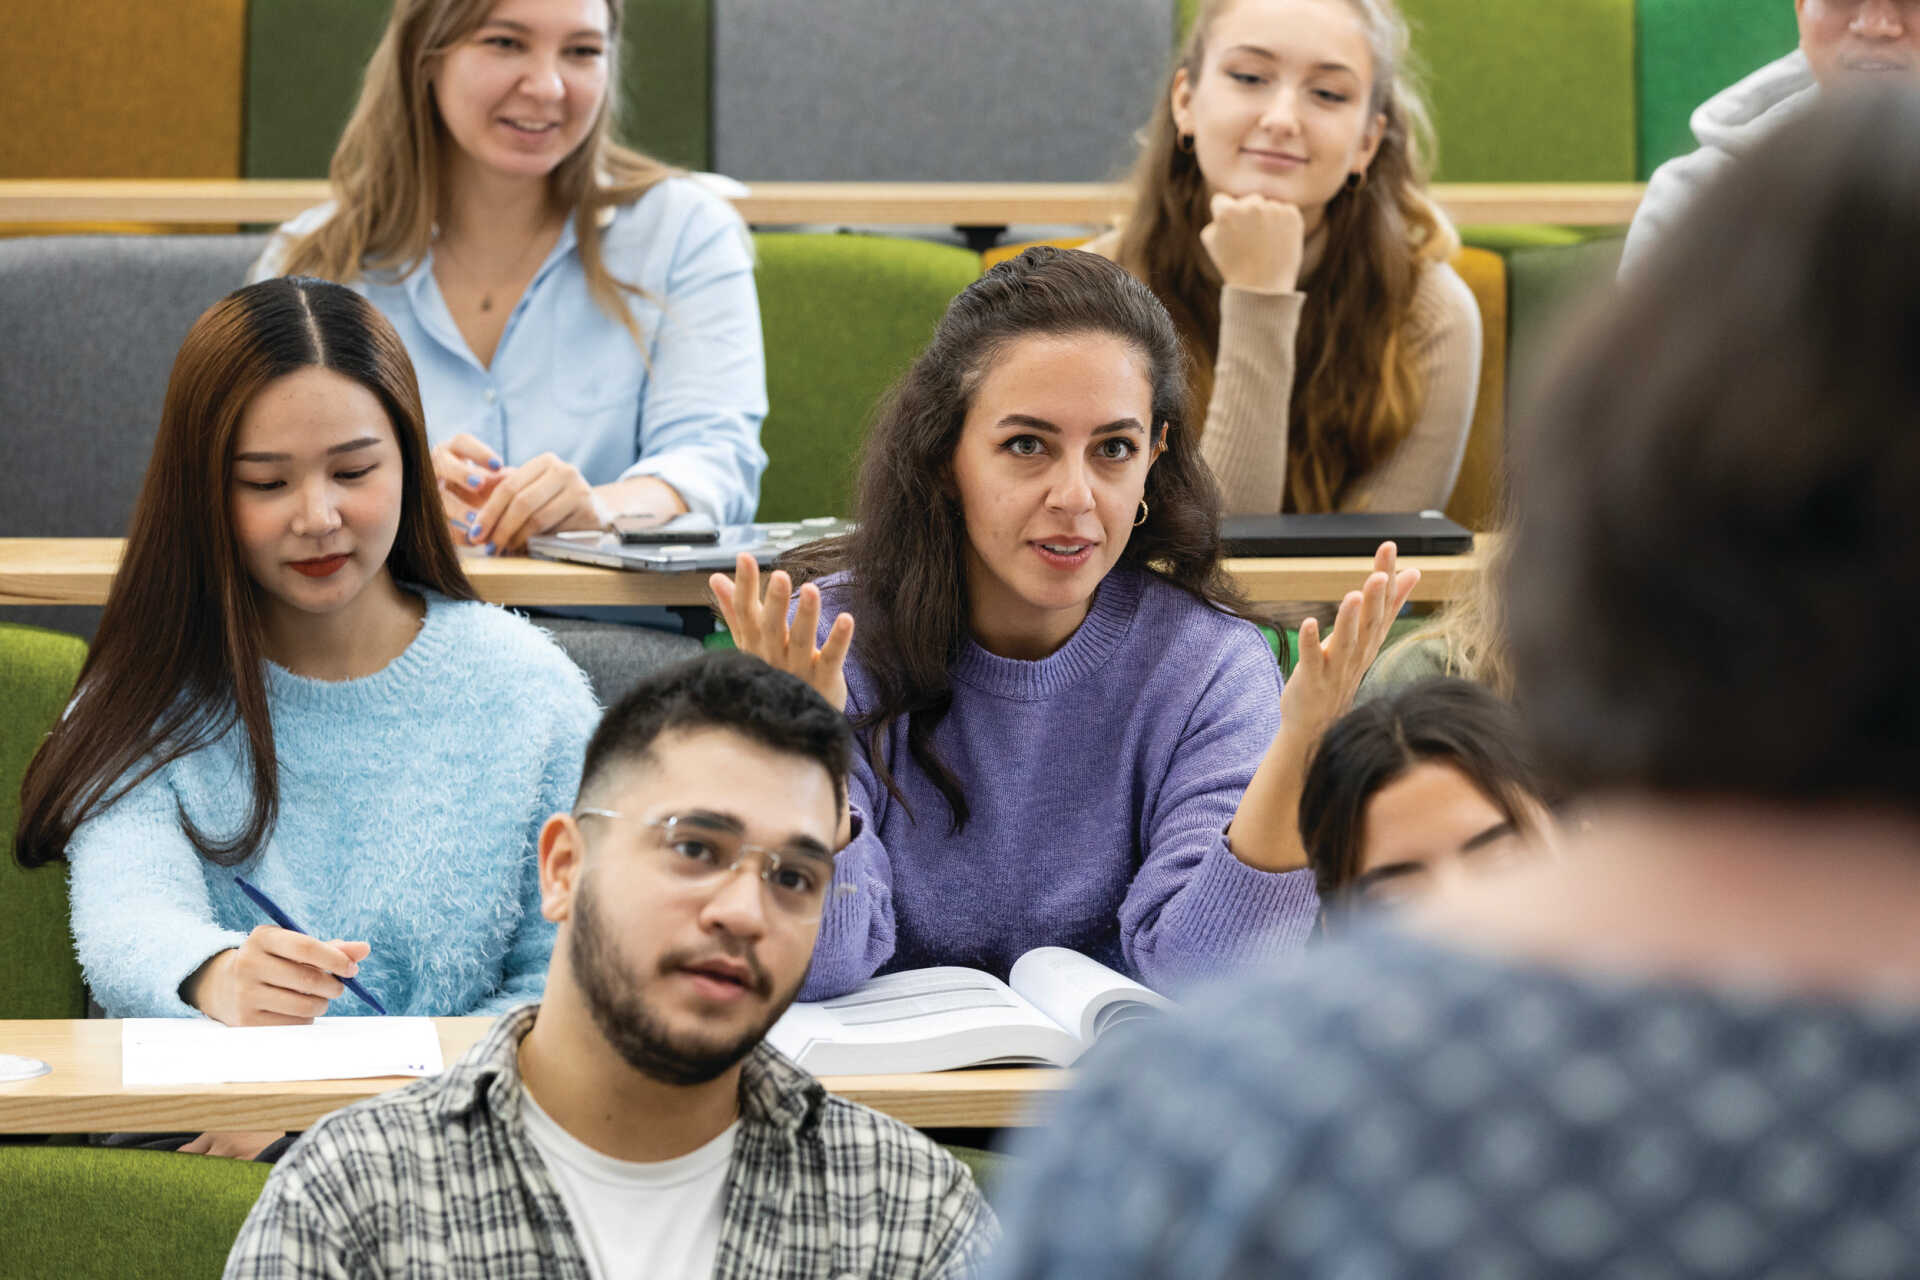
(932, 91)
(89, 326)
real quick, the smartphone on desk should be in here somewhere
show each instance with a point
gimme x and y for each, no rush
(686, 529)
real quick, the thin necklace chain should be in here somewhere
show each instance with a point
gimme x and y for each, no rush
(513, 271)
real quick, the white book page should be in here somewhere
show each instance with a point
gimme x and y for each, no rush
(160, 1051)
(921, 1020)
(1081, 994)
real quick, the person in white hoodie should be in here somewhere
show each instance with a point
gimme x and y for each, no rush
(1841, 42)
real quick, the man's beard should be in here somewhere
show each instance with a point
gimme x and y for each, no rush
(622, 1015)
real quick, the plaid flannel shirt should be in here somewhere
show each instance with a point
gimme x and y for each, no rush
(439, 1179)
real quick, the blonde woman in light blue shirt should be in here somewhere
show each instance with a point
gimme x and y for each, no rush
(583, 321)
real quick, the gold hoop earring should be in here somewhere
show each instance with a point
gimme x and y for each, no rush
(1142, 517)
(1185, 143)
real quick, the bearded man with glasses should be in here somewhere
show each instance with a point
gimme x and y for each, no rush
(634, 1123)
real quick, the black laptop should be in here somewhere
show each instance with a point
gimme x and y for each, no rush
(1423, 533)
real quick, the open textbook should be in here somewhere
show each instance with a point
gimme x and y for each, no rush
(1051, 1009)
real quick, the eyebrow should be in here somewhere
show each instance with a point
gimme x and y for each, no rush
(362, 443)
(521, 28)
(1032, 423)
(1392, 871)
(1488, 836)
(1271, 56)
(803, 845)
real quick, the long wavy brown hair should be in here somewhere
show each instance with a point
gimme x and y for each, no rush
(1357, 391)
(386, 172)
(906, 557)
(179, 657)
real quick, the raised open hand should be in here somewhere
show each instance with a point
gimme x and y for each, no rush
(761, 627)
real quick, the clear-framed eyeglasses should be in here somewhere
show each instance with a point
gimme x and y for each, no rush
(700, 854)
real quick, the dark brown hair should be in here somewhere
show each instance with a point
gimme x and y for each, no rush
(1357, 391)
(724, 690)
(178, 660)
(1443, 720)
(1713, 576)
(906, 557)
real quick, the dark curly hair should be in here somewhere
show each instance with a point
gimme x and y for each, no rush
(906, 557)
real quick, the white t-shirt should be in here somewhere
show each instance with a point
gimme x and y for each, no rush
(634, 1218)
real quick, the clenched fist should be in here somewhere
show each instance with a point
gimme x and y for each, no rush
(1256, 242)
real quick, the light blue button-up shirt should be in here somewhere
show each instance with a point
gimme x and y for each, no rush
(567, 377)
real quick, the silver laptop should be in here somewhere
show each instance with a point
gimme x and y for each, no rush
(766, 542)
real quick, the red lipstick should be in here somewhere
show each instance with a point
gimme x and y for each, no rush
(319, 566)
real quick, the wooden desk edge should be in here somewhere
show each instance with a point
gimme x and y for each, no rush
(256, 200)
(989, 1099)
(79, 571)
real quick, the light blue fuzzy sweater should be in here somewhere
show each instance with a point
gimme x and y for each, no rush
(410, 805)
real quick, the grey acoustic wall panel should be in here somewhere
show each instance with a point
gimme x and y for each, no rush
(932, 90)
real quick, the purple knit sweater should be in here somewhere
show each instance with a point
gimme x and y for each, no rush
(1101, 781)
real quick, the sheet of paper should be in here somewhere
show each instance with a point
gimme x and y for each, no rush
(197, 1051)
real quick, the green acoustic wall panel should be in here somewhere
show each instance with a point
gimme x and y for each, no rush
(1529, 91)
(1526, 90)
(843, 317)
(1692, 49)
(305, 57)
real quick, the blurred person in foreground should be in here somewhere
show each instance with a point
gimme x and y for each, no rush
(1688, 1045)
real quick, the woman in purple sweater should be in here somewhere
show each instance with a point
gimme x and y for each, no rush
(1060, 700)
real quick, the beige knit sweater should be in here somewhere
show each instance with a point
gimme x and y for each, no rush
(1245, 437)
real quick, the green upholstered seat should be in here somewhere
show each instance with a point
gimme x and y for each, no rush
(1545, 287)
(843, 317)
(305, 57)
(39, 976)
(79, 1212)
(1690, 50)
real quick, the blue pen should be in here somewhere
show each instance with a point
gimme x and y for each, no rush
(280, 918)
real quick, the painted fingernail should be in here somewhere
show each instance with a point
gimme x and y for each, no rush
(492, 550)
(473, 480)
(493, 464)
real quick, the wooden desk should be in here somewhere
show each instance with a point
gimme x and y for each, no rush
(84, 1094)
(212, 201)
(79, 571)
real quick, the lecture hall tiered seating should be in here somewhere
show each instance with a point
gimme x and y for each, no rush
(1531, 100)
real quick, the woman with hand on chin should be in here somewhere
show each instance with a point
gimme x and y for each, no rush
(1282, 217)
(584, 323)
(293, 682)
(1058, 700)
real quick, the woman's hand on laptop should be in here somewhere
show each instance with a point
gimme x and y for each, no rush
(760, 627)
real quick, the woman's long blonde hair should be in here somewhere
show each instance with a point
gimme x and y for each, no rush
(1473, 627)
(386, 175)
(1357, 392)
